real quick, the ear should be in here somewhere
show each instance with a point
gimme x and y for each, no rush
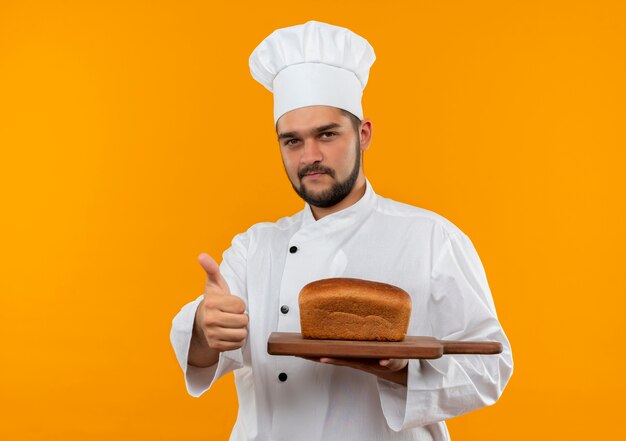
(366, 133)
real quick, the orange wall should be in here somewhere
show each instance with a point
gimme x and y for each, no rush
(132, 138)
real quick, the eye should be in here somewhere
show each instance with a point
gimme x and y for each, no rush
(291, 142)
(327, 135)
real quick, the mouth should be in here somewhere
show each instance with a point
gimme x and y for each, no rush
(314, 172)
(314, 175)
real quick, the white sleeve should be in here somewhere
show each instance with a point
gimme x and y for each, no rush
(460, 307)
(199, 380)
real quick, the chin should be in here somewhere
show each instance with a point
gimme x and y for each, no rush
(316, 188)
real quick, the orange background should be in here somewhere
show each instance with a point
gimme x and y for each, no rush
(132, 138)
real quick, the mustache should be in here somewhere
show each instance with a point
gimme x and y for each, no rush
(315, 168)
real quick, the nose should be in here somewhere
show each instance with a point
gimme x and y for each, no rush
(311, 152)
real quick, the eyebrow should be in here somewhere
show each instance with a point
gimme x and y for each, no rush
(315, 131)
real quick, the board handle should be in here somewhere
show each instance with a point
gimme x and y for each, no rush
(471, 347)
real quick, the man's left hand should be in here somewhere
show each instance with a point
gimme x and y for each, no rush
(394, 369)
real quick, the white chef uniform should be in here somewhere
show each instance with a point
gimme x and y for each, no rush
(291, 399)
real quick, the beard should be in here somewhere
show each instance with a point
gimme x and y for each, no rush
(338, 190)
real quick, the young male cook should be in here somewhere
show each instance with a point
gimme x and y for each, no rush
(317, 73)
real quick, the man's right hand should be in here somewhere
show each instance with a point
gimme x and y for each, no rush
(221, 320)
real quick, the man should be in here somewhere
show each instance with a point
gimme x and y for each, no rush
(317, 73)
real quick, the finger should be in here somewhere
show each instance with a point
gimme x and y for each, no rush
(226, 345)
(226, 335)
(351, 362)
(325, 360)
(227, 320)
(364, 364)
(394, 364)
(214, 278)
(224, 303)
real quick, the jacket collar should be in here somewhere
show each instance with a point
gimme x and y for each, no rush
(343, 218)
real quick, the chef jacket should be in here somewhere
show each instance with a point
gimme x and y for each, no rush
(284, 398)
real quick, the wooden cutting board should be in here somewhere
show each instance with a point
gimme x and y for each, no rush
(292, 343)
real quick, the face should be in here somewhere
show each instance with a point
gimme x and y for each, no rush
(321, 152)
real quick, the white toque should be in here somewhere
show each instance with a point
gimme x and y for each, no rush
(313, 64)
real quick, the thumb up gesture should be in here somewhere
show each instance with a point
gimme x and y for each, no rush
(221, 316)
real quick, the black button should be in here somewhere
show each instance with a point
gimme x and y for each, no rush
(284, 309)
(292, 250)
(282, 376)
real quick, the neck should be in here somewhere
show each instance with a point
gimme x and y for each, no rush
(355, 195)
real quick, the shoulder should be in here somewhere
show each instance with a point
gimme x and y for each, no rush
(261, 230)
(420, 217)
(283, 224)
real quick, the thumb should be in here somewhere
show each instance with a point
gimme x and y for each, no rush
(214, 279)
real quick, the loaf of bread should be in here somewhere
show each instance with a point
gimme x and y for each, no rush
(354, 309)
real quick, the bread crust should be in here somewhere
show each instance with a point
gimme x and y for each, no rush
(354, 309)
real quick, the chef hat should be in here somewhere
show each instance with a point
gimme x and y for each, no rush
(313, 64)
